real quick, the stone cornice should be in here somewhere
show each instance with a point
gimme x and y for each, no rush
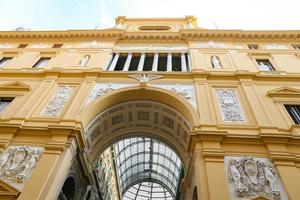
(182, 34)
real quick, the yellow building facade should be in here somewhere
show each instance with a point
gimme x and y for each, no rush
(185, 112)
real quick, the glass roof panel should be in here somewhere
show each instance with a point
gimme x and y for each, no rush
(146, 163)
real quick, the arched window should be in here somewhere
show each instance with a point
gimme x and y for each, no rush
(85, 59)
(195, 193)
(68, 190)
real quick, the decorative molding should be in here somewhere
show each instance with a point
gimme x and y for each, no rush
(38, 46)
(210, 44)
(284, 92)
(17, 163)
(145, 78)
(15, 86)
(58, 101)
(7, 46)
(91, 44)
(151, 48)
(229, 104)
(100, 89)
(276, 46)
(250, 177)
(185, 91)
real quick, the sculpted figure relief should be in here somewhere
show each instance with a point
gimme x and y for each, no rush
(216, 63)
(253, 177)
(16, 163)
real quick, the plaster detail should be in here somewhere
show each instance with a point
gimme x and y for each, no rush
(275, 46)
(6, 46)
(58, 101)
(145, 78)
(211, 44)
(38, 46)
(230, 106)
(185, 91)
(100, 89)
(151, 48)
(17, 162)
(250, 177)
(91, 44)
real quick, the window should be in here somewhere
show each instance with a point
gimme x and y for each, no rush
(4, 102)
(57, 46)
(294, 112)
(253, 46)
(23, 45)
(5, 60)
(42, 62)
(296, 46)
(265, 65)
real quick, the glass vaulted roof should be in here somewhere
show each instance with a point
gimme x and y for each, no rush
(146, 169)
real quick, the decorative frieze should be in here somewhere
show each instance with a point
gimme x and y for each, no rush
(17, 162)
(58, 101)
(39, 46)
(276, 46)
(7, 46)
(151, 48)
(230, 107)
(91, 44)
(145, 78)
(185, 91)
(251, 177)
(210, 44)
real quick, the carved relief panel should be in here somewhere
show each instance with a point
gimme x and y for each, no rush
(250, 177)
(16, 164)
(58, 101)
(229, 105)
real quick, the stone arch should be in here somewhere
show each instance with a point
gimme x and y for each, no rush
(139, 93)
(140, 118)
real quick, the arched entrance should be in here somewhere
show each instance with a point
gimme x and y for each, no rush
(157, 122)
(68, 190)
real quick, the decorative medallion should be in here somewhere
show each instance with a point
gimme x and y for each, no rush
(17, 162)
(58, 101)
(229, 105)
(251, 177)
(211, 44)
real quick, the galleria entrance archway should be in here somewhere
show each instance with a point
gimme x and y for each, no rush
(143, 145)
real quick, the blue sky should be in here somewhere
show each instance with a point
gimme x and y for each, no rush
(88, 14)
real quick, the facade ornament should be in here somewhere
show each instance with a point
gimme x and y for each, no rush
(100, 89)
(83, 62)
(58, 101)
(151, 48)
(93, 44)
(145, 78)
(38, 46)
(211, 44)
(185, 91)
(6, 46)
(229, 105)
(276, 46)
(216, 63)
(250, 177)
(17, 162)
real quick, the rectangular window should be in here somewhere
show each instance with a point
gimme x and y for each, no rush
(265, 65)
(296, 46)
(42, 62)
(253, 46)
(4, 102)
(57, 45)
(294, 112)
(23, 45)
(5, 60)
